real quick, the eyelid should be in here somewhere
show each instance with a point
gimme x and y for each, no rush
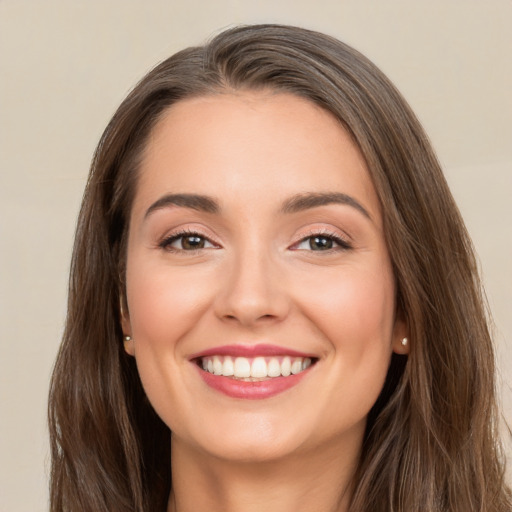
(341, 240)
(165, 241)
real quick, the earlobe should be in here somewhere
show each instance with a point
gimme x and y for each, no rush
(401, 340)
(401, 346)
(129, 343)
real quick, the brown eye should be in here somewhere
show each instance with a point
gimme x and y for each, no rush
(192, 242)
(320, 243)
(186, 242)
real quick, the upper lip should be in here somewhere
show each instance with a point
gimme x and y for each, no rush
(250, 351)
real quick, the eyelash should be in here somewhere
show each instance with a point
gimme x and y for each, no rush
(342, 244)
(167, 241)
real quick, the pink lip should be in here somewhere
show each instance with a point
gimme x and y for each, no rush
(251, 390)
(249, 351)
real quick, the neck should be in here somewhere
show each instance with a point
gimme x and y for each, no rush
(315, 481)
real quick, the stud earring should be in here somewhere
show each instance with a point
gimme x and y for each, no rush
(404, 342)
(129, 345)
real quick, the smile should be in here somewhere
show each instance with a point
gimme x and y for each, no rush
(252, 371)
(256, 368)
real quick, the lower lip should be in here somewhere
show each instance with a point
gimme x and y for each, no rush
(251, 390)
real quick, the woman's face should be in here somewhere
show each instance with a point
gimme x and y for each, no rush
(256, 251)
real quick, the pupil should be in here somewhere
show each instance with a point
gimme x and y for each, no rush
(193, 242)
(321, 243)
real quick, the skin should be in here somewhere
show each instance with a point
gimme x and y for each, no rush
(257, 279)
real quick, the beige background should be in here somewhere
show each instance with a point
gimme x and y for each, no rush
(66, 65)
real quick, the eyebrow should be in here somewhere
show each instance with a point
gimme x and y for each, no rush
(193, 201)
(295, 204)
(301, 202)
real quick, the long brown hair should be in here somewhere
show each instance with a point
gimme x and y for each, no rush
(431, 442)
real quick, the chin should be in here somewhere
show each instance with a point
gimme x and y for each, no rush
(245, 438)
(253, 450)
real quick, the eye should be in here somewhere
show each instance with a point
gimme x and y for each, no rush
(186, 241)
(322, 242)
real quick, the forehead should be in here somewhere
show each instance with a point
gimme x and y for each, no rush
(255, 145)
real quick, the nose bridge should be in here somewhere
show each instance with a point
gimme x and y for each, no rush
(252, 290)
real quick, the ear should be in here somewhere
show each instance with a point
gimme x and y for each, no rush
(129, 342)
(401, 342)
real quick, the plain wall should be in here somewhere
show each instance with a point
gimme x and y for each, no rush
(65, 66)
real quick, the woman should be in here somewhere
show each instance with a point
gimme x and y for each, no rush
(274, 303)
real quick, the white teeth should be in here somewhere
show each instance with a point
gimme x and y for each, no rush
(273, 368)
(296, 366)
(242, 367)
(259, 367)
(286, 367)
(255, 368)
(228, 368)
(217, 365)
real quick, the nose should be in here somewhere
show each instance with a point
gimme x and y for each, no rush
(253, 291)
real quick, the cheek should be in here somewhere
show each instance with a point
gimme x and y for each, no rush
(354, 312)
(354, 309)
(164, 304)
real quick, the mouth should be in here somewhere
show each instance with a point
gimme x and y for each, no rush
(254, 369)
(252, 372)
